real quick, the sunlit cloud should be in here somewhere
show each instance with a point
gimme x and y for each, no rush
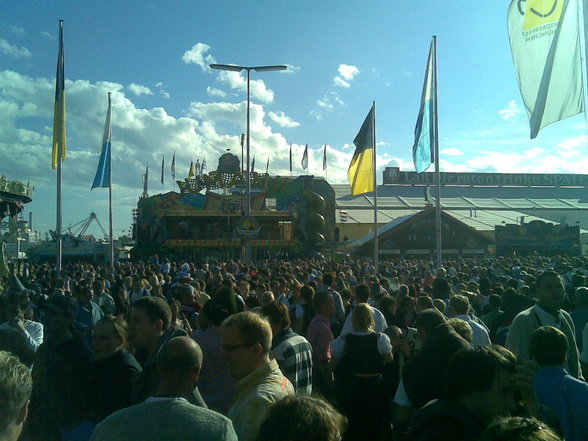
(13, 51)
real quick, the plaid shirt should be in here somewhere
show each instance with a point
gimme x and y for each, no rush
(294, 356)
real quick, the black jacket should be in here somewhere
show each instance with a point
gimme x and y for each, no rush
(111, 383)
(60, 387)
(423, 376)
(444, 420)
(146, 384)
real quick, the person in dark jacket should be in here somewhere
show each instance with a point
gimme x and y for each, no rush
(150, 329)
(59, 402)
(480, 388)
(113, 372)
(423, 375)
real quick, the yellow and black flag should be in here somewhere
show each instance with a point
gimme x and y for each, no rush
(59, 111)
(361, 169)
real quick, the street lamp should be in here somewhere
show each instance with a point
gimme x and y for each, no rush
(235, 68)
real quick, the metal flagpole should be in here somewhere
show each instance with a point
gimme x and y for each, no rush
(58, 238)
(376, 251)
(60, 109)
(436, 146)
(110, 198)
(325, 163)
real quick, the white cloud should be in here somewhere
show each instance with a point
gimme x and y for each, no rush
(291, 69)
(212, 91)
(199, 55)
(325, 103)
(282, 120)
(573, 143)
(511, 111)
(17, 30)
(139, 90)
(161, 88)
(572, 147)
(451, 152)
(315, 114)
(237, 81)
(14, 51)
(47, 34)
(139, 137)
(346, 74)
(341, 82)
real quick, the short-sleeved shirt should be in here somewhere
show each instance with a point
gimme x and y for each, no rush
(320, 336)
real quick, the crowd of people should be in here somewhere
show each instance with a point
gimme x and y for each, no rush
(478, 349)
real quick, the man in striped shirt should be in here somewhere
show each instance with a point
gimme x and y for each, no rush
(292, 351)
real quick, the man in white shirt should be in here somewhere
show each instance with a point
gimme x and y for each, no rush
(17, 303)
(102, 298)
(459, 307)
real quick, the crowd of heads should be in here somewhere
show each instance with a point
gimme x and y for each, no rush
(242, 301)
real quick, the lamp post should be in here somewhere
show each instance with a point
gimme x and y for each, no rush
(235, 68)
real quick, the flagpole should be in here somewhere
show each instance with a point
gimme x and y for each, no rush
(376, 251)
(325, 164)
(436, 147)
(110, 199)
(58, 238)
(60, 111)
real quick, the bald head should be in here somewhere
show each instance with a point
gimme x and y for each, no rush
(179, 357)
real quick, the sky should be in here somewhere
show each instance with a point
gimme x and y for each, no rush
(341, 55)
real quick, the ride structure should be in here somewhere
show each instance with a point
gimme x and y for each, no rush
(289, 215)
(13, 197)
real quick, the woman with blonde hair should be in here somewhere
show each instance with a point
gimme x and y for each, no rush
(358, 360)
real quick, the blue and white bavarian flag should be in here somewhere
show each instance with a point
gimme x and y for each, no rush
(102, 178)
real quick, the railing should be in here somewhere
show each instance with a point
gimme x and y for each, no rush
(16, 187)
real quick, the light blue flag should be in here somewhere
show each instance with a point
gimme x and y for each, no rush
(423, 150)
(102, 178)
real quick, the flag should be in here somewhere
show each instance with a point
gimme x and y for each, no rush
(59, 110)
(545, 46)
(162, 166)
(304, 161)
(197, 168)
(325, 158)
(191, 171)
(203, 166)
(361, 169)
(102, 178)
(290, 157)
(423, 149)
(253, 165)
(173, 166)
(267, 167)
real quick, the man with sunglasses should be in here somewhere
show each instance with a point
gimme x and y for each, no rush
(246, 340)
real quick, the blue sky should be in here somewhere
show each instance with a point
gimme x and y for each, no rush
(153, 57)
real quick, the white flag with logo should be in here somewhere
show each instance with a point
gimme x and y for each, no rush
(545, 43)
